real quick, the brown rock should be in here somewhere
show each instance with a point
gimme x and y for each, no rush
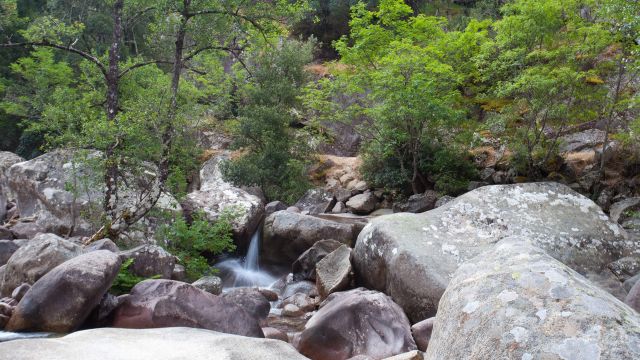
(422, 333)
(334, 272)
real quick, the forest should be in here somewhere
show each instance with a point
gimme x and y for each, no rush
(252, 138)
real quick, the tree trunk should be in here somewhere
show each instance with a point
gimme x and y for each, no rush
(111, 174)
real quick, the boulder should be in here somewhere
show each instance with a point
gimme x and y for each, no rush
(179, 273)
(411, 257)
(249, 299)
(316, 201)
(581, 140)
(620, 210)
(168, 303)
(149, 260)
(216, 195)
(7, 159)
(356, 322)
(333, 272)
(421, 332)
(7, 248)
(5, 233)
(161, 344)
(417, 203)
(291, 310)
(273, 333)
(287, 235)
(516, 302)
(443, 200)
(362, 203)
(41, 187)
(628, 284)
(274, 206)
(339, 208)
(102, 244)
(62, 299)
(27, 229)
(303, 301)
(33, 260)
(210, 284)
(19, 292)
(304, 268)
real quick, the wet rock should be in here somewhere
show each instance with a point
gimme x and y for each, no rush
(333, 272)
(304, 268)
(356, 322)
(515, 301)
(62, 299)
(274, 206)
(417, 203)
(251, 300)
(287, 235)
(316, 201)
(167, 343)
(168, 303)
(7, 248)
(149, 261)
(215, 195)
(412, 257)
(421, 332)
(210, 284)
(36, 258)
(362, 203)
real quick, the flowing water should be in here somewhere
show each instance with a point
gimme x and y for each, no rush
(246, 272)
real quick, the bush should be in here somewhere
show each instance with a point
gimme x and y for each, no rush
(126, 280)
(195, 243)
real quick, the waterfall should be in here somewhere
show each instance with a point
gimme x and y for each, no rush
(245, 272)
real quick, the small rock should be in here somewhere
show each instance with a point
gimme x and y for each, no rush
(293, 209)
(273, 333)
(210, 284)
(362, 203)
(179, 273)
(302, 301)
(18, 293)
(339, 208)
(274, 206)
(290, 310)
(333, 272)
(269, 294)
(418, 203)
(422, 333)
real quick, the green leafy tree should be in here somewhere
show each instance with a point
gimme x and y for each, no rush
(274, 155)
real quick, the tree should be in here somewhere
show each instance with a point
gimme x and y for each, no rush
(274, 155)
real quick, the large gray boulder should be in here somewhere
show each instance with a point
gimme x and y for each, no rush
(362, 203)
(33, 260)
(168, 303)
(62, 299)
(304, 268)
(516, 302)
(356, 322)
(149, 261)
(316, 201)
(7, 159)
(249, 299)
(7, 248)
(287, 235)
(64, 192)
(216, 196)
(160, 344)
(412, 257)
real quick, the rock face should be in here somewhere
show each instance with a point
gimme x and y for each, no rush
(517, 302)
(168, 303)
(411, 257)
(304, 268)
(31, 261)
(356, 322)
(216, 195)
(418, 203)
(40, 187)
(287, 235)
(150, 260)
(167, 343)
(63, 298)
(334, 271)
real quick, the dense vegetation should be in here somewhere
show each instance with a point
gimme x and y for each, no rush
(427, 81)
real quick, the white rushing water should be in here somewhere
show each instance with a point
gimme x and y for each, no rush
(245, 272)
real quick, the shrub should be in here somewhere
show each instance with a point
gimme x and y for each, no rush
(195, 243)
(126, 280)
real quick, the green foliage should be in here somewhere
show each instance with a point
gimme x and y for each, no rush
(274, 153)
(196, 242)
(126, 280)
